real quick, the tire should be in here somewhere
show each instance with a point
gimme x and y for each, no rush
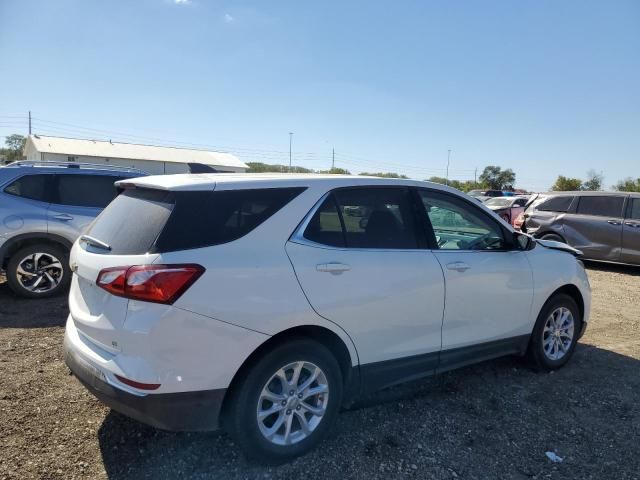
(541, 349)
(553, 237)
(242, 416)
(45, 271)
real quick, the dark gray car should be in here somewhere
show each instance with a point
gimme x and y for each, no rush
(604, 225)
(44, 206)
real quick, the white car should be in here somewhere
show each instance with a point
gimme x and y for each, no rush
(253, 303)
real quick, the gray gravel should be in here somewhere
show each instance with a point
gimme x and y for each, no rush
(494, 420)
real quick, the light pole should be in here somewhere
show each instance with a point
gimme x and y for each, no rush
(448, 159)
(290, 140)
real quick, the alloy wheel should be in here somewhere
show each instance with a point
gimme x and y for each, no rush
(39, 272)
(558, 333)
(292, 403)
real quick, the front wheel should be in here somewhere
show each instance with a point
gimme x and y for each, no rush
(553, 237)
(287, 403)
(555, 333)
(39, 271)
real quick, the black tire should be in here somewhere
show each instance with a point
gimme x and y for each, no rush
(64, 274)
(553, 237)
(241, 415)
(536, 354)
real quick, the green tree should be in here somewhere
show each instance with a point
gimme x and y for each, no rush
(628, 185)
(15, 145)
(336, 171)
(566, 184)
(384, 175)
(495, 178)
(258, 167)
(462, 186)
(594, 181)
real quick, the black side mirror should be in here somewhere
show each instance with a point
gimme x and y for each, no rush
(523, 241)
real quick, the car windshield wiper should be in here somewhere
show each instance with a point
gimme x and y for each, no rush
(95, 242)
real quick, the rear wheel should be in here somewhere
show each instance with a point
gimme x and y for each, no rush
(287, 403)
(555, 334)
(39, 271)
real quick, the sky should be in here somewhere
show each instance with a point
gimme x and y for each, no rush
(544, 87)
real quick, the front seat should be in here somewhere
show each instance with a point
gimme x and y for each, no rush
(384, 229)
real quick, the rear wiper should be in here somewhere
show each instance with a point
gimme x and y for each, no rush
(95, 242)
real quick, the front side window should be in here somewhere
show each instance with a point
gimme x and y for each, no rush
(460, 226)
(555, 204)
(85, 190)
(601, 206)
(365, 218)
(635, 209)
(34, 187)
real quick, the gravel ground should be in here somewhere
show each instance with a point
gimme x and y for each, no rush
(493, 420)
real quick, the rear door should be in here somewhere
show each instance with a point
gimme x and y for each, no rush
(631, 233)
(360, 263)
(595, 226)
(76, 200)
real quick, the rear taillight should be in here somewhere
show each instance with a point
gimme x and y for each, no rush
(149, 283)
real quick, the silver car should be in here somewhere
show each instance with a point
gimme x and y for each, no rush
(44, 206)
(604, 225)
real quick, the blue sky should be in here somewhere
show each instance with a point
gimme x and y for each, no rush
(543, 87)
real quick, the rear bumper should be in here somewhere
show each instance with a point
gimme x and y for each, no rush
(186, 411)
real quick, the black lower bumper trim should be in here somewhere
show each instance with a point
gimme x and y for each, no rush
(186, 411)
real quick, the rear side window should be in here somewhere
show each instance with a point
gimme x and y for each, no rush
(635, 209)
(555, 204)
(201, 219)
(85, 190)
(35, 187)
(365, 218)
(601, 206)
(133, 221)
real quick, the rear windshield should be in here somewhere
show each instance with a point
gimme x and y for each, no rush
(140, 221)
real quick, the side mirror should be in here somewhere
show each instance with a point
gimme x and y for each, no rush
(523, 241)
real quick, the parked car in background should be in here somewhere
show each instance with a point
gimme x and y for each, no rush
(43, 208)
(507, 208)
(605, 226)
(256, 303)
(485, 193)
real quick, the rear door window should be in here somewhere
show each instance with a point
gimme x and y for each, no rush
(365, 218)
(601, 206)
(634, 212)
(555, 204)
(34, 187)
(85, 190)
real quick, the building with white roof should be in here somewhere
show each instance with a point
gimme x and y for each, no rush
(149, 158)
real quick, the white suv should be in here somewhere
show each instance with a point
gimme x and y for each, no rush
(264, 303)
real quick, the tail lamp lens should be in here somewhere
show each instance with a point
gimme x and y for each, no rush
(150, 283)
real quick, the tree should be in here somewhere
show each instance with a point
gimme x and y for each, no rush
(15, 145)
(594, 181)
(564, 184)
(628, 185)
(336, 171)
(258, 167)
(383, 175)
(495, 178)
(462, 186)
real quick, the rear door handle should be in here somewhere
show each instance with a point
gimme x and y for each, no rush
(334, 268)
(631, 224)
(63, 216)
(459, 266)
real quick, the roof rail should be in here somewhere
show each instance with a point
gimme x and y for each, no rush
(53, 163)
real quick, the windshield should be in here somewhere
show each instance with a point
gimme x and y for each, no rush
(498, 202)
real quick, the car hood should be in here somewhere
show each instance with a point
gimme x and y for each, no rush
(559, 246)
(496, 207)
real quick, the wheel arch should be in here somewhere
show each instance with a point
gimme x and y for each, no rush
(14, 244)
(319, 334)
(551, 232)
(573, 292)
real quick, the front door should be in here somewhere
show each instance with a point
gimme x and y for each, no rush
(358, 261)
(489, 285)
(596, 226)
(631, 233)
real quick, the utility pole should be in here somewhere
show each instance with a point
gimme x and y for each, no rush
(29, 122)
(290, 140)
(333, 158)
(448, 159)
(475, 177)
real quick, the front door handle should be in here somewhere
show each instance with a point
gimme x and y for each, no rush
(63, 216)
(613, 222)
(334, 268)
(459, 266)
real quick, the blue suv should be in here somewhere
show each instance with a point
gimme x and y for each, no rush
(44, 206)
